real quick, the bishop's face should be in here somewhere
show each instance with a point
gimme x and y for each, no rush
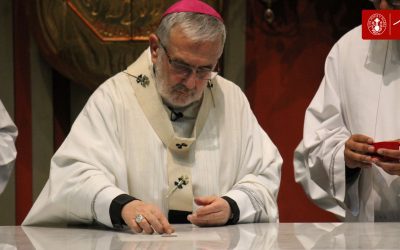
(183, 67)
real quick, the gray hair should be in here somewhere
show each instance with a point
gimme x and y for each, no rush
(199, 27)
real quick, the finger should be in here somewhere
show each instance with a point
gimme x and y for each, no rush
(204, 200)
(392, 172)
(390, 167)
(389, 153)
(165, 224)
(362, 139)
(154, 223)
(361, 158)
(212, 217)
(197, 221)
(208, 216)
(209, 219)
(144, 224)
(209, 209)
(134, 226)
(359, 147)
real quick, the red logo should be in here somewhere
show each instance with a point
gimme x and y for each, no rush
(381, 24)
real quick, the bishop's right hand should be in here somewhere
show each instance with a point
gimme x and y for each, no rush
(141, 216)
(357, 151)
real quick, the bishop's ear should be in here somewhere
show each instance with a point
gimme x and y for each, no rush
(154, 45)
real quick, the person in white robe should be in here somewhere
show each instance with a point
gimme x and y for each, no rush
(355, 106)
(165, 142)
(8, 152)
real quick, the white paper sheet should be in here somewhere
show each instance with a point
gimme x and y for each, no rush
(183, 234)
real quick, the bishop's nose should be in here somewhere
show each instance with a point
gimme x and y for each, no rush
(190, 81)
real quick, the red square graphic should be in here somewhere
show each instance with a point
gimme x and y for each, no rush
(381, 24)
(395, 27)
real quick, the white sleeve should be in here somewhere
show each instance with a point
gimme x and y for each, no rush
(8, 152)
(259, 175)
(85, 169)
(319, 158)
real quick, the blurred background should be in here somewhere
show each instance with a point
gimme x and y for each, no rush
(53, 55)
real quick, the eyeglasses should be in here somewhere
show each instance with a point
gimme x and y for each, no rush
(185, 70)
(391, 2)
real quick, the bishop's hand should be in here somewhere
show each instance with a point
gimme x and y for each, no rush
(141, 216)
(215, 211)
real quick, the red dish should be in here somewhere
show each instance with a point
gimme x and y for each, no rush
(387, 145)
(394, 145)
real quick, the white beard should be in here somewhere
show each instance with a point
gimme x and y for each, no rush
(176, 96)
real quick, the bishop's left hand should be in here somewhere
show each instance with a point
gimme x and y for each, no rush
(390, 162)
(215, 211)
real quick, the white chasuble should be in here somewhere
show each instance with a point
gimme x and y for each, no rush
(124, 143)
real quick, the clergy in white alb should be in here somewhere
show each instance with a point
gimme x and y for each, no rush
(8, 153)
(355, 105)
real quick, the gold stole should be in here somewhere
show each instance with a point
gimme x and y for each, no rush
(180, 151)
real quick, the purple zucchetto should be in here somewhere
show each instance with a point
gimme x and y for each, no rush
(194, 6)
